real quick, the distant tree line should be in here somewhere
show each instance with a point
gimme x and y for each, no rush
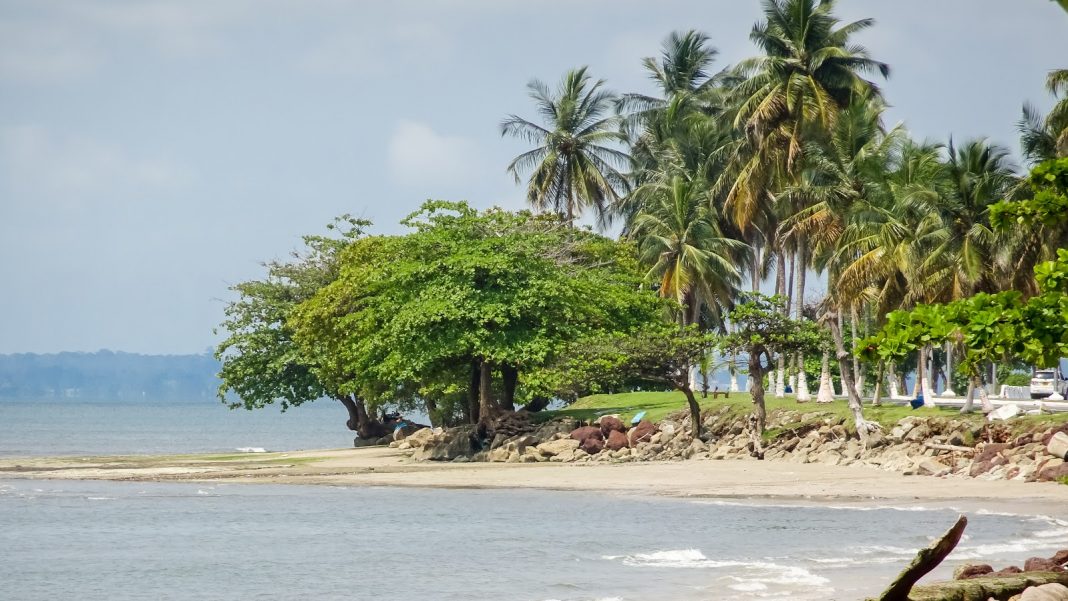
(107, 375)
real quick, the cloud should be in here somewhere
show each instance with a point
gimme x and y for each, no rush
(361, 51)
(44, 53)
(71, 170)
(419, 155)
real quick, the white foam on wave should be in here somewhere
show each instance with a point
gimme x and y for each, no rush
(755, 572)
(99, 498)
(251, 450)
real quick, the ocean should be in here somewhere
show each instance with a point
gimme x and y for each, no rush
(134, 540)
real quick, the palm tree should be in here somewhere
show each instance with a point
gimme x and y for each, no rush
(678, 237)
(574, 164)
(808, 72)
(1057, 120)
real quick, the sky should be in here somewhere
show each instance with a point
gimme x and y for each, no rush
(154, 153)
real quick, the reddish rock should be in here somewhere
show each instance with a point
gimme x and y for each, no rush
(1009, 571)
(1055, 472)
(612, 424)
(592, 445)
(1041, 564)
(971, 571)
(585, 432)
(990, 451)
(642, 432)
(616, 441)
(1060, 558)
(1049, 435)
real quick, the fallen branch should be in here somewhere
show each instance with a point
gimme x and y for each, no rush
(926, 560)
(948, 447)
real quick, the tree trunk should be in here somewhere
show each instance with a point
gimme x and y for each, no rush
(969, 397)
(877, 396)
(895, 391)
(858, 376)
(926, 560)
(473, 392)
(486, 406)
(509, 377)
(359, 421)
(760, 413)
(695, 411)
(755, 271)
(538, 403)
(733, 370)
(780, 378)
(432, 412)
(826, 393)
(862, 425)
(928, 390)
(949, 371)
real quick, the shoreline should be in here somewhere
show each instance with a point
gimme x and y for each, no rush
(725, 480)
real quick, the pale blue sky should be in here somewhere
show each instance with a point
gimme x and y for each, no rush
(153, 153)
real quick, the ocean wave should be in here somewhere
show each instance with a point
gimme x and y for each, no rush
(754, 572)
(251, 450)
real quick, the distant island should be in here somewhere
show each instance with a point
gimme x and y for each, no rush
(108, 376)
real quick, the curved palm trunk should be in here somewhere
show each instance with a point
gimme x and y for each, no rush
(863, 426)
(858, 373)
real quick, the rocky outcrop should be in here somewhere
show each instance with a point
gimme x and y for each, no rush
(449, 445)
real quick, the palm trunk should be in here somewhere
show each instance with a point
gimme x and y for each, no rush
(893, 383)
(862, 425)
(802, 379)
(780, 290)
(949, 371)
(858, 377)
(877, 395)
(928, 391)
(826, 392)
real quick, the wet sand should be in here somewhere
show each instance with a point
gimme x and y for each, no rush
(769, 481)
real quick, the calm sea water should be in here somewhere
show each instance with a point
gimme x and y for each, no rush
(120, 541)
(99, 428)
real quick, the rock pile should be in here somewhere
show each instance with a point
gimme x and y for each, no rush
(933, 446)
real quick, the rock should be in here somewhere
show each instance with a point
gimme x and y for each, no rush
(498, 455)
(694, 448)
(385, 440)
(1060, 557)
(1009, 571)
(932, 467)
(585, 432)
(550, 429)
(403, 445)
(967, 571)
(557, 447)
(1046, 592)
(616, 440)
(592, 445)
(1053, 472)
(1058, 445)
(454, 442)
(611, 423)
(643, 432)
(1041, 564)
(918, 434)
(419, 437)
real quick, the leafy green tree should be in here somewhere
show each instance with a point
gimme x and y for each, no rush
(467, 295)
(762, 331)
(575, 164)
(260, 362)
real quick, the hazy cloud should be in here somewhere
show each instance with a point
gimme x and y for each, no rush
(39, 53)
(418, 155)
(72, 169)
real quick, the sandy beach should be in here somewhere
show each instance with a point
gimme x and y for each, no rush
(758, 480)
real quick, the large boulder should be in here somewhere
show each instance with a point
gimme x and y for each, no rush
(419, 437)
(592, 445)
(643, 432)
(549, 430)
(1046, 592)
(1041, 564)
(967, 571)
(459, 441)
(558, 447)
(616, 440)
(611, 423)
(590, 439)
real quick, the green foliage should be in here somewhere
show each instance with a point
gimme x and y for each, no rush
(260, 363)
(409, 314)
(1049, 201)
(761, 327)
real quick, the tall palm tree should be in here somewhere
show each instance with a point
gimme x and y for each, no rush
(808, 72)
(575, 164)
(1045, 138)
(678, 237)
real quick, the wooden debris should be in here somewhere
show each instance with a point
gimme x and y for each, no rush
(926, 560)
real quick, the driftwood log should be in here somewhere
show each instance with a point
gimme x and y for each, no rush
(926, 560)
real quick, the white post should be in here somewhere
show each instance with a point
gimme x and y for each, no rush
(949, 371)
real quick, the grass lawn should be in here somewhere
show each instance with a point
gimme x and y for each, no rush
(658, 405)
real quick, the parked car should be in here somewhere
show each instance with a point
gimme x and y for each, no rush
(1045, 382)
